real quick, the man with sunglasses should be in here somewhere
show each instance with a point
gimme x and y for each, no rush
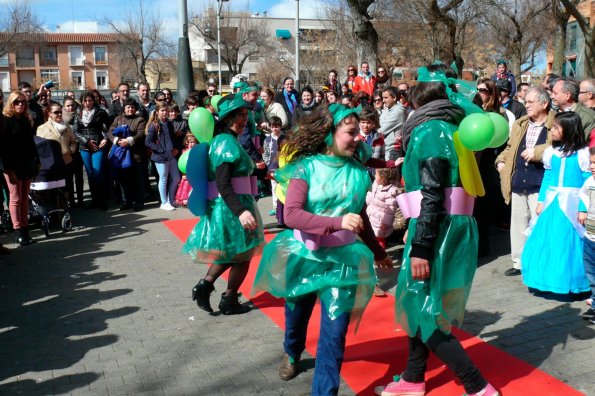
(502, 73)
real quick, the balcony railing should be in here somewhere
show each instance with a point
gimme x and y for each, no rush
(25, 62)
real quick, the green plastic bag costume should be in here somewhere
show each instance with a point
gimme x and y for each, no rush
(219, 237)
(434, 303)
(343, 277)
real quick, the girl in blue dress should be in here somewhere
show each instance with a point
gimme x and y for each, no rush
(552, 258)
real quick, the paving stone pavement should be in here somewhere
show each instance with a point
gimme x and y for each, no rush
(106, 310)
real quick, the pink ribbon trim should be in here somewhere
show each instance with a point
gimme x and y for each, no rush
(456, 202)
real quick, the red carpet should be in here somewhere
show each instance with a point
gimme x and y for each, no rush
(378, 351)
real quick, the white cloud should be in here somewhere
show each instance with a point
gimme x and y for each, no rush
(75, 27)
(309, 9)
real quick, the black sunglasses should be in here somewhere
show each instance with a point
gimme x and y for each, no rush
(19, 102)
(58, 112)
(377, 100)
(483, 90)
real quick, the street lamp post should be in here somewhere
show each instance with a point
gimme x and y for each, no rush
(297, 44)
(219, 6)
(185, 74)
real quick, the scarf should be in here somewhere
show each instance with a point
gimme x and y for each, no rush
(58, 126)
(366, 76)
(441, 109)
(291, 102)
(87, 116)
(309, 107)
(382, 80)
(502, 76)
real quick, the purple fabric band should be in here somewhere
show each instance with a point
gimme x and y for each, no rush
(456, 202)
(314, 242)
(241, 185)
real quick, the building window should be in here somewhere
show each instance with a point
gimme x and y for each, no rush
(254, 58)
(25, 57)
(166, 77)
(76, 77)
(5, 82)
(100, 55)
(212, 56)
(4, 60)
(49, 55)
(76, 56)
(101, 79)
(51, 74)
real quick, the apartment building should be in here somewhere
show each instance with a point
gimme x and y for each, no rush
(74, 61)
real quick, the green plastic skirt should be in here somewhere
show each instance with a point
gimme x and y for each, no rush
(433, 304)
(342, 277)
(219, 237)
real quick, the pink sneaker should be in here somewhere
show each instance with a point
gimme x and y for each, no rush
(400, 387)
(487, 391)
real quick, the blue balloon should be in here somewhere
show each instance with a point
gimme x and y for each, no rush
(197, 174)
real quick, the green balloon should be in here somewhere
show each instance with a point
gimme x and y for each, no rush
(202, 124)
(215, 102)
(476, 131)
(501, 130)
(183, 161)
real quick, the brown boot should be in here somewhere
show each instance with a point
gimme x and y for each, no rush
(288, 368)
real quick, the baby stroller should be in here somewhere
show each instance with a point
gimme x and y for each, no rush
(48, 195)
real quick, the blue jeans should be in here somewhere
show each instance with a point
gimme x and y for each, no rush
(331, 343)
(589, 261)
(169, 177)
(94, 165)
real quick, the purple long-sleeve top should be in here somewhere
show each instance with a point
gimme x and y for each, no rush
(298, 218)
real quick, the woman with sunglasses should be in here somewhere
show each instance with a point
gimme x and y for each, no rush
(351, 75)
(56, 129)
(383, 79)
(90, 128)
(20, 161)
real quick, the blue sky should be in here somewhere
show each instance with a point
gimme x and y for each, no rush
(62, 13)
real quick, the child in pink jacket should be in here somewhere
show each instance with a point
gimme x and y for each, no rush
(382, 203)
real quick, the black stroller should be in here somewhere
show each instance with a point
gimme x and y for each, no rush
(47, 196)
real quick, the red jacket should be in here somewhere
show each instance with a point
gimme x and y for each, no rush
(366, 85)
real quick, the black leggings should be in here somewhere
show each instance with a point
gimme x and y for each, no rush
(449, 350)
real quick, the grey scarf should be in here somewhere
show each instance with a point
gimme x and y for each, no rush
(441, 109)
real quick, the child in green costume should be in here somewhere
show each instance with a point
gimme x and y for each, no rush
(440, 255)
(320, 257)
(230, 232)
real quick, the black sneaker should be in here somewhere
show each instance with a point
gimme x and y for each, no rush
(512, 272)
(590, 314)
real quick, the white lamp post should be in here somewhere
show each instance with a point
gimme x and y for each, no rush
(219, 6)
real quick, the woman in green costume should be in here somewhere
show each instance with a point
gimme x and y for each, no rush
(440, 255)
(230, 232)
(320, 257)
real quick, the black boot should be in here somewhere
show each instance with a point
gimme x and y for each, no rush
(230, 305)
(22, 237)
(201, 294)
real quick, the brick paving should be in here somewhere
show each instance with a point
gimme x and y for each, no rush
(106, 310)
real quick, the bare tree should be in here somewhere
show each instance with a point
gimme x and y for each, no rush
(366, 37)
(518, 28)
(141, 36)
(588, 32)
(16, 20)
(241, 35)
(560, 16)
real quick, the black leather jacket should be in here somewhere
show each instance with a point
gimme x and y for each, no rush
(96, 130)
(434, 174)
